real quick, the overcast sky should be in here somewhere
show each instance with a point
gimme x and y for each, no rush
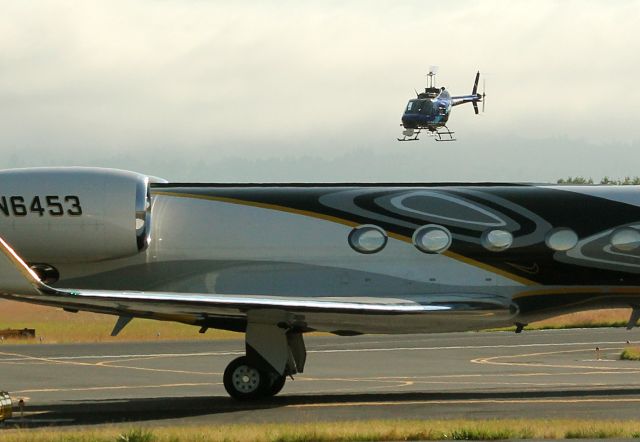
(314, 91)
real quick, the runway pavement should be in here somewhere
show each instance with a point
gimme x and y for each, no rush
(546, 374)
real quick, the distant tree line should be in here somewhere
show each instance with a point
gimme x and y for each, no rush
(606, 180)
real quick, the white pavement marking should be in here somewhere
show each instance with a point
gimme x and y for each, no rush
(134, 356)
(466, 402)
(463, 347)
(340, 350)
(116, 387)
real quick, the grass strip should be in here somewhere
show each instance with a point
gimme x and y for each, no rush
(352, 431)
(560, 326)
(53, 325)
(630, 354)
(586, 319)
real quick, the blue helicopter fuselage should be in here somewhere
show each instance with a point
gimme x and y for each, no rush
(427, 112)
(430, 110)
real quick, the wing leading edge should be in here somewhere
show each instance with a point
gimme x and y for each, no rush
(15, 275)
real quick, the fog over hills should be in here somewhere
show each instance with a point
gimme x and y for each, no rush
(314, 91)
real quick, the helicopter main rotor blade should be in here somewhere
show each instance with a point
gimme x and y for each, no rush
(475, 106)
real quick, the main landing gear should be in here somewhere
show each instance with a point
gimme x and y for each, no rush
(272, 354)
(244, 381)
(440, 133)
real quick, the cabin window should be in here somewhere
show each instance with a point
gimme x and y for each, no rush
(496, 240)
(427, 108)
(432, 239)
(561, 239)
(625, 239)
(367, 239)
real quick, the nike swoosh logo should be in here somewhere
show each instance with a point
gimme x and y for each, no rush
(532, 269)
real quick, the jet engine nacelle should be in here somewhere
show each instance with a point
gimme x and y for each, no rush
(75, 214)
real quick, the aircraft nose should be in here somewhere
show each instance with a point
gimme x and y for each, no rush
(409, 122)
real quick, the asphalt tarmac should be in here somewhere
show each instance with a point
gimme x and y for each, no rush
(545, 374)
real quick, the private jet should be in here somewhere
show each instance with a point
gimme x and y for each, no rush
(276, 261)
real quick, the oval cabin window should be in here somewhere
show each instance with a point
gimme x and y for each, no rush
(367, 239)
(496, 240)
(432, 239)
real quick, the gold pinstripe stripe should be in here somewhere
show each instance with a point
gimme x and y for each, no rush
(345, 222)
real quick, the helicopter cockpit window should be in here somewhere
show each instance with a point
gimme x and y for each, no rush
(427, 108)
(413, 106)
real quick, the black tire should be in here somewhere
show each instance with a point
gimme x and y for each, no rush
(277, 383)
(243, 381)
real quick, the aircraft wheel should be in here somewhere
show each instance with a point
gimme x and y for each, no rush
(243, 381)
(277, 383)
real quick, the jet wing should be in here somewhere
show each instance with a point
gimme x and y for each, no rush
(232, 311)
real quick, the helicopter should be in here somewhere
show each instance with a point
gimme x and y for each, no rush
(431, 109)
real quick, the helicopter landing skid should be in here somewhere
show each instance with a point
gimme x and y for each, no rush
(439, 135)
(411, 137)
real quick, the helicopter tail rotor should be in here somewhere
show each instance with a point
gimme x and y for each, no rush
(479, 97)
(484, 84)
(475, 93)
